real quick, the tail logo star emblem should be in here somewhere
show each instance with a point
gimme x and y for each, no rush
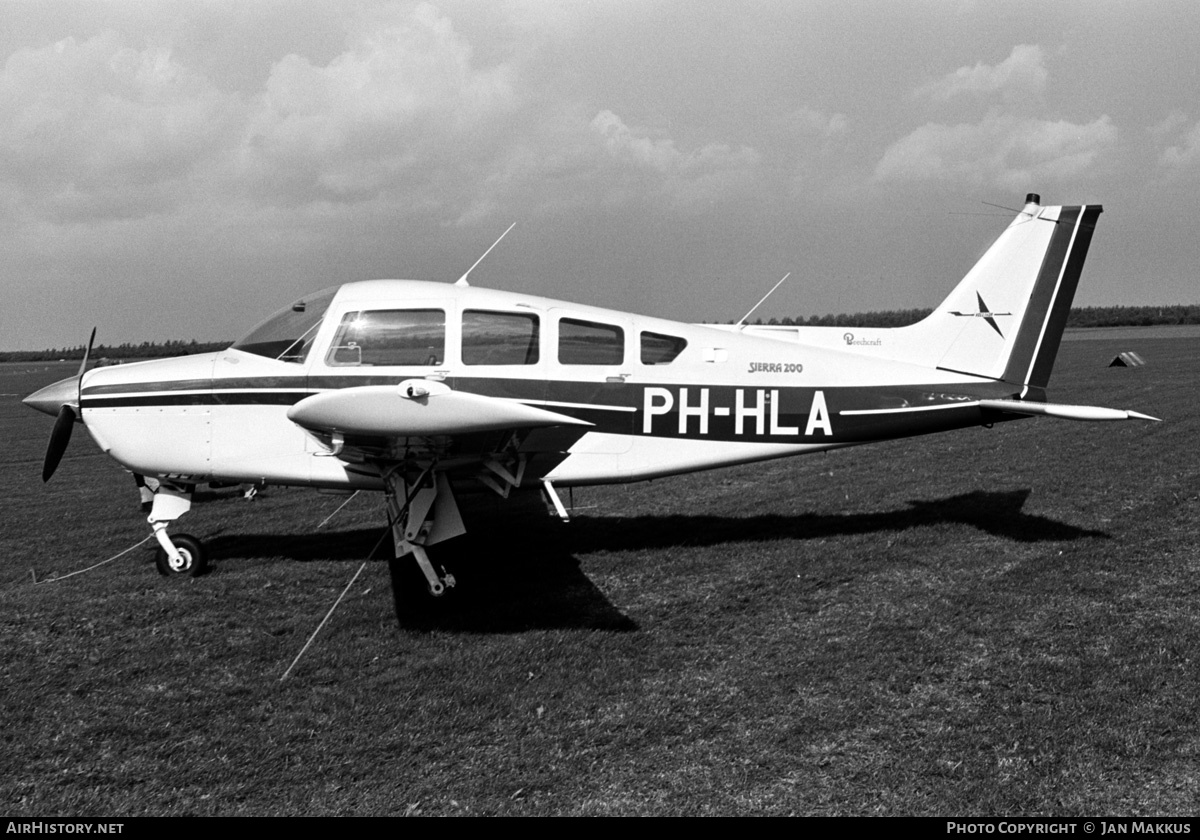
(985, 314)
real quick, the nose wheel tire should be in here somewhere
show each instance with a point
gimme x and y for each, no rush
(191, 553)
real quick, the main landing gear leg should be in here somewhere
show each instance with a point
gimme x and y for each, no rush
(184, 554)
(423, 513)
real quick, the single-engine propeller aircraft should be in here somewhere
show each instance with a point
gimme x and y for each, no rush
(422, 389)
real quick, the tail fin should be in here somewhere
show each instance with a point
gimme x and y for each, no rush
(1005, 319)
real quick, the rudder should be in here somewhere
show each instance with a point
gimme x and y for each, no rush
(1041, 329)
(1005, 319)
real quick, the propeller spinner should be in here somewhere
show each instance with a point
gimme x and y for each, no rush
(62, 399)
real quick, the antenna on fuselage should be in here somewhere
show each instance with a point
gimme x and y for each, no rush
(742, 323)
(462, 281)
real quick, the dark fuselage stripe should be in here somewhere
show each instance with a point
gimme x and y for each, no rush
(713, 413)
(195, 399)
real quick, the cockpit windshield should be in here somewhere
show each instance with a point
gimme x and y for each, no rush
(288, 334)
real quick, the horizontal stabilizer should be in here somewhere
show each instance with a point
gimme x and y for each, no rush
(1063, 412)
(417, 408)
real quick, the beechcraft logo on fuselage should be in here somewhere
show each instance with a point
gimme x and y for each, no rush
(983, 313)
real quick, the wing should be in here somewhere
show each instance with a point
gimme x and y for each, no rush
(427, 420)
(416, 434)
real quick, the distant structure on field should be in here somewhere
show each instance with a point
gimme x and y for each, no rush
(1127, 359)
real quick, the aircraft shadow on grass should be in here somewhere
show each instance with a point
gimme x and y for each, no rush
(537, 582)
(538, 585)
(996, 512)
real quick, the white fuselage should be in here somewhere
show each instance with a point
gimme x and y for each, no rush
(726, 397)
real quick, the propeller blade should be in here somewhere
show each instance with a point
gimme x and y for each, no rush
(82, 369)
(64, 423)
(60, 436)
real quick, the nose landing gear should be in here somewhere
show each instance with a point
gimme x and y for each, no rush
(190, 558)
(181, 554)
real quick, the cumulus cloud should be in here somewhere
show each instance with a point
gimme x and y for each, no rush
(1186, 152)
(1169, 124)
(1020, 76)
(624, 143)
(1009, 147)
(1003, 150)
(568, 161)
(808, 121)
(95, 128)
(688, 178)
(392, 107)
(405, 118)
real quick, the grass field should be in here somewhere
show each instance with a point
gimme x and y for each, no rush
(1000, 621)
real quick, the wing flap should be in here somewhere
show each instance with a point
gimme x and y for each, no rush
(1064, 412)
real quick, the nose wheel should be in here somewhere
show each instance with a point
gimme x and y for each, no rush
(190, 557)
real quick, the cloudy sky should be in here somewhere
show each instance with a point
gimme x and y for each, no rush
(180, 169)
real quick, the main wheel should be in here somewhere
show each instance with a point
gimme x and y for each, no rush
(191, 552)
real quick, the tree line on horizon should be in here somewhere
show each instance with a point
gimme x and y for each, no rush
(120, 352)
(1078, 318)
(1082, 317)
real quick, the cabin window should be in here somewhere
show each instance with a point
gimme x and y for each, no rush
(287, 335)
(589, 343)
(659, 349)
(409, 337)
(499, 338)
